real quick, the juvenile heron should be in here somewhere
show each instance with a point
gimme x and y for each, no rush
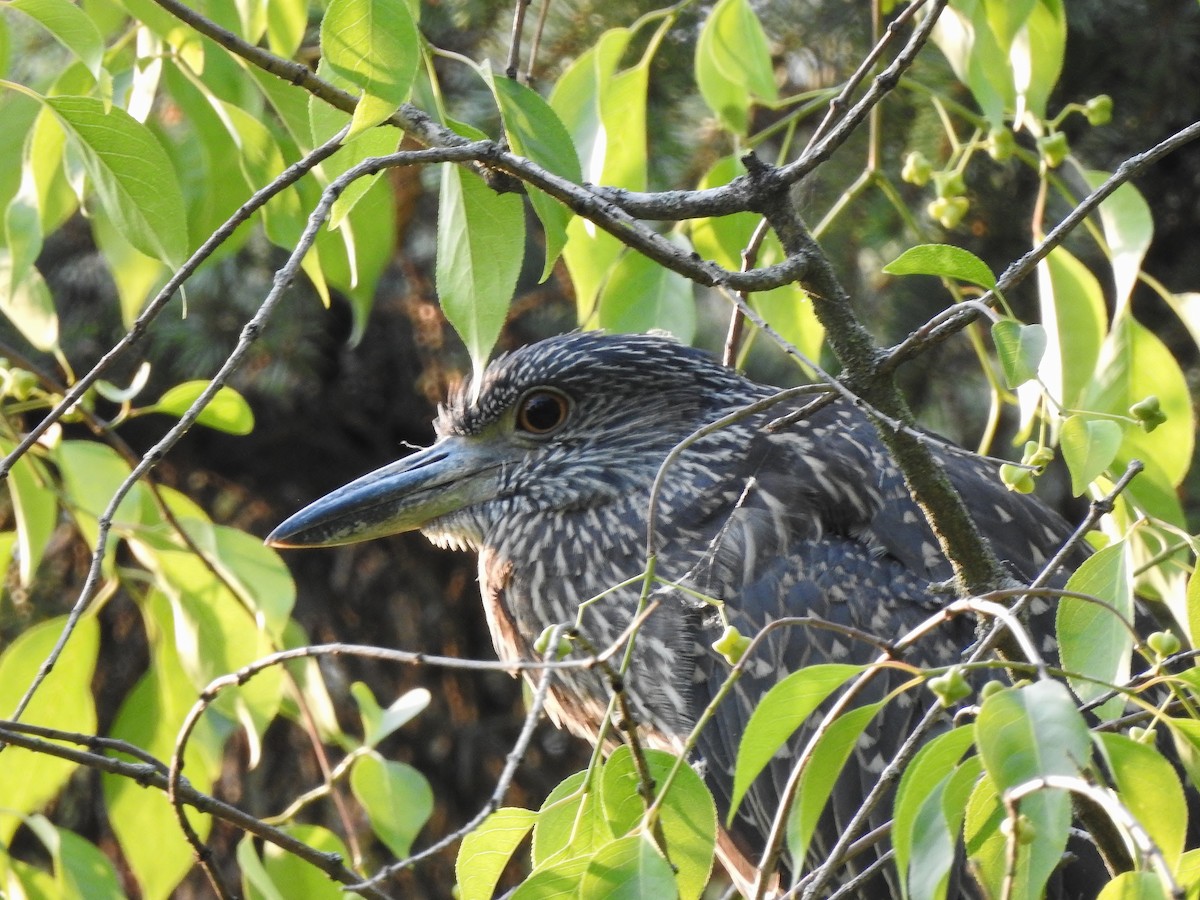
(546, 471)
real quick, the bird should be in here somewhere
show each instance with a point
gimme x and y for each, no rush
(545, 466)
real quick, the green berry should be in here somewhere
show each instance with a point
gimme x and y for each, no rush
(950, 688)
(1148, 413)
(1163, 643)
(1024, 827)
(1054, 148)
(1099, 110)
(1001, 144)
(949, 184)
(917, 169)
(542, 644)
(990, 688)
(1037, 455)
(21, 384)
(732, 645)
(948, 211)
(1017, 478)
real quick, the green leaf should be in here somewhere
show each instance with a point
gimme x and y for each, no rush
(286, 21)
(150, 717)
(481, 243)
(1020, 349)
(374, 45)
(1023, 734)
(935, 837)
(922, 786)
(778, 714)
(296, 878)
(1028, 732)
(1149, 788)
(1088, 446)
(70, 26)
(35, 507)
(380, 723)
(1092, 640)
(228, 411)
(91, 474)
(733, 64)
(1037, 55)
(254, 571)
(1072, 311)
(485, 852)
(604, 111)
(28, 780)
(558, 879)
(629, 868)
(688, 816)
(1133, 364)
(1128, 230)
(1048, 811)
(22, 230)
(534, 130)
(27, 304)
(131, 174)
(822, 772)
(976, 54)
(397, 798)
(723, 238)
(1135, 886)
(571, 822)
(945, 261)
(641, 294)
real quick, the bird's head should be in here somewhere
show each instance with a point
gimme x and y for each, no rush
(569, 423)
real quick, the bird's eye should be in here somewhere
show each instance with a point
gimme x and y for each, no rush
(542, 411)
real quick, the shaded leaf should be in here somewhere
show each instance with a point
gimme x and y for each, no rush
(1149, 789)
(922, 785)
(1020, 349)
(1088, 446)
(641, 295)
(1092, 640)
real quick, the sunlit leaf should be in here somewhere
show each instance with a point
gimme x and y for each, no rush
(131, 174)
(374, 45)
(945, 261)
(228, 411)
(641, 294)
(733, 64)
(688, 817)
(535, 130)
(27, 304)
(1073, 315)
(481, 243)
(1092, 639)
(28, 780)
(379, 723)
(485, 852)
(629, 868)
(296, 878)
(822, 772)
(35, 507)
(397, 798)
(70, 26)
(571, 822)
(1128, 230)
(1149, 788)
(777, 716)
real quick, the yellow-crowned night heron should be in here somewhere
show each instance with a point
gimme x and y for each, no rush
(546, 471)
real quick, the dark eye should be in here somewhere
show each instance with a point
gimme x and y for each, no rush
(542, 411)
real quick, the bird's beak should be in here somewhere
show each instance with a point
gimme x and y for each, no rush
(453, 474)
